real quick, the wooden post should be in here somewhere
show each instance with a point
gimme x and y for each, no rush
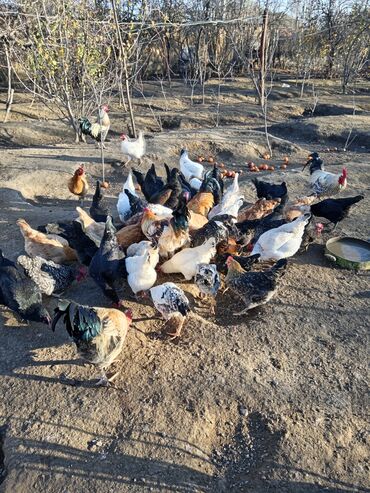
(262, 57)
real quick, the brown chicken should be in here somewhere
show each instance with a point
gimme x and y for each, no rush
(171, 233)
(78, 184)
(196, 221)
(129, 235)
(48, 246)
(291, 212)
(98, 333)
(305, 200)
(230, 246)
(201, 203)
(259, 210)
(298, 207)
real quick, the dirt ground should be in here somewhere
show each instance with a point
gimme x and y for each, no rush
(274, 401)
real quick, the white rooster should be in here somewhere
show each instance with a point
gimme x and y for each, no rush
(190, 169)
(133, 148)
(322, 182)
(186, 260)
(281, 242)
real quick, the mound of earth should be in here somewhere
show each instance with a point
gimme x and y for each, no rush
(329, 128)
(34, 133)
(330, 110)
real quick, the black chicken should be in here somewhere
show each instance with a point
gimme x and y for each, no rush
(137, 205)
(108, 264)
(335, 210)
(150, 183)
(99, 209)
(213, 183)
(186, 187)
(219, 229)
(253, 229)
(170, 194)
(245, 262)
(254, 288)
(270, 190)
(74, 234)
(21, 294)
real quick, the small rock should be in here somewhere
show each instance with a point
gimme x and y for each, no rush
(243, 411)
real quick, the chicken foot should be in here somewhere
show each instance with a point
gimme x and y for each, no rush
(243, 312)
(105, 381)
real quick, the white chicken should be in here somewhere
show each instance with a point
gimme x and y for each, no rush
(232, 191)
(231, 209)
(186, 260)
(169, 300)
(172, 304)
(123, 204)
(160, 211)
(195, 183)
(133, 148)
(141, 270)
(322, 182)
(281, 242)
(103, 121)
(190, 169)
(231, 201)
(138, 248)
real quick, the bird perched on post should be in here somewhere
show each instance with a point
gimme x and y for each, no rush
(322, 182)
(98, 130)
(78, 184)
(99, 333)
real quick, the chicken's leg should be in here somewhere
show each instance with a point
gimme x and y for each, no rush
(125, 163)
(245, 310)
(105, 381)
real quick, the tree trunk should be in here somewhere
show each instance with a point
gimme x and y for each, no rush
(9, 100)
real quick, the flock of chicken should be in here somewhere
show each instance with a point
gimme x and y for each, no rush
(188, 224)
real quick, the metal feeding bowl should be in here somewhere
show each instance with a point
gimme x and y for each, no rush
(347, 252)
